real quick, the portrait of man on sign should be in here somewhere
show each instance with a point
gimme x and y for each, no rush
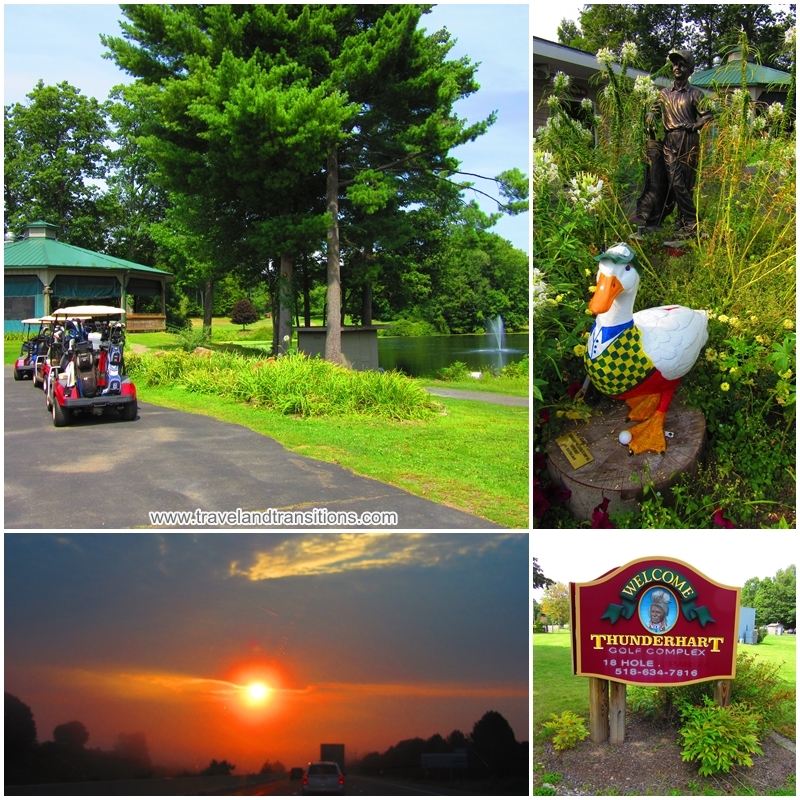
(658, 610)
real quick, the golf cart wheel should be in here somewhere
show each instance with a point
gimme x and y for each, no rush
(129, 411)
(61, 416)
(48, 398)
(18, 376)
(36, 382)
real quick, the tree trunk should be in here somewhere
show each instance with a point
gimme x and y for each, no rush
(285, 294)
(333, 341)
(208, 306)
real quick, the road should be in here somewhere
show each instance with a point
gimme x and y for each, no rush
(101, 473)
(355, 785)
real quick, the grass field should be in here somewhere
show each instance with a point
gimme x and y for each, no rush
(556, 689)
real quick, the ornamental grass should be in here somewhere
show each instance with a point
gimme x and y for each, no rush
(293, 384)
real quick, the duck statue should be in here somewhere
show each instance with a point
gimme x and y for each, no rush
(639, 357)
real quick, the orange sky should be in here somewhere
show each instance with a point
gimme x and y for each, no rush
(364, 641)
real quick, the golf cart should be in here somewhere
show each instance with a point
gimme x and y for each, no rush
(34, 346)
(85, 368)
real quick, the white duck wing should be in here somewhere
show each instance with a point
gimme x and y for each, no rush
(673, 337)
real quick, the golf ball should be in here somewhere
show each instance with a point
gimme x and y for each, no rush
(625, 437)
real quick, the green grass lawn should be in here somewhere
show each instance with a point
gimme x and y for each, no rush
(473, 457)
(556, 689)
(779, 650)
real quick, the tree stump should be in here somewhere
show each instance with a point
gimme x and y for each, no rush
(614, 473)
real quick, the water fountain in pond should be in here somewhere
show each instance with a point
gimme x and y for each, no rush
(496, 328)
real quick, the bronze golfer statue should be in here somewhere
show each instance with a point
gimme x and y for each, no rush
(672, 164)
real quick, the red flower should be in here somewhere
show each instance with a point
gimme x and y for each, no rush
(600, 518)
(719, 518)
(540, 501)
(539, 462)
(544, 416)
(573, 389)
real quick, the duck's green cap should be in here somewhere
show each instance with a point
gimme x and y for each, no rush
(619, 254)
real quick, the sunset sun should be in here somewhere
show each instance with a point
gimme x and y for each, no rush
(258, 692)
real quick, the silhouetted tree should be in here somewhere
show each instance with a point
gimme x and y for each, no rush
(218, 768)
(493, 741)
(19, 727)
(269, 768)
(71, 734)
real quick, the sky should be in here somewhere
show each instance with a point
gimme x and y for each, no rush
(545, 18)
(729, 557)
(61, 42)
(362, 639)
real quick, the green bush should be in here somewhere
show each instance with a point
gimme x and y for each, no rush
(566, 730)
(409, 327)
(757, 684)
(457, 371)
(719, 738)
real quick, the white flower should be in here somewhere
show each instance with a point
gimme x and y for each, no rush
(561, 82)
(286, 338)
(545, 169)
(775, 112)
(538, 289)
(604, 56)
(645, 88)
(628, 52)
(586, 191)
(586, 104)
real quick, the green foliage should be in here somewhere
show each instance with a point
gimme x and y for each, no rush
(55, 145)
(189, 338)
(566, 730)
(408, 327)
(457, 371)
(757, 685)
(719, 738)
(293, 384)
(544, 791)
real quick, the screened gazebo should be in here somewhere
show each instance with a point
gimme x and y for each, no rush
(41, 274)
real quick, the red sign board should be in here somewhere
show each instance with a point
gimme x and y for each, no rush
(655, 622)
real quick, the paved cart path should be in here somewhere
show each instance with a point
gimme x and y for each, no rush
(103, 473)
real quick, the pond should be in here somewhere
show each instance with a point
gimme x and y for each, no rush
(424, 355)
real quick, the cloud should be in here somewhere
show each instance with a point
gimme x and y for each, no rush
(326, 554)
(166, 685)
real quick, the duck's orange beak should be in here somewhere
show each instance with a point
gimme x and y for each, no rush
(608, 287)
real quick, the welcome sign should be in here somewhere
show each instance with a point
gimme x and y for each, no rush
(656, 621)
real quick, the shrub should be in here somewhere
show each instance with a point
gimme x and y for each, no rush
(566, 730)
(719, 738)
(457, 371)
(244, 313)
(757, 684)
(409, 327)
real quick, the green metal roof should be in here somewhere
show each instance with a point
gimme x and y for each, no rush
(45, 252)
(730, 74)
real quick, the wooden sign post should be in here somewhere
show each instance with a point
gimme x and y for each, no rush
(653, 622)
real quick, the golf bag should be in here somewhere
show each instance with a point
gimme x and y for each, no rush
(84, 363)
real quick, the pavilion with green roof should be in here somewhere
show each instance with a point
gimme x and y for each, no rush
(765, 84)
(42, 274)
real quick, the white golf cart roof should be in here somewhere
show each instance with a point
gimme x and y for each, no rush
(87, 312)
